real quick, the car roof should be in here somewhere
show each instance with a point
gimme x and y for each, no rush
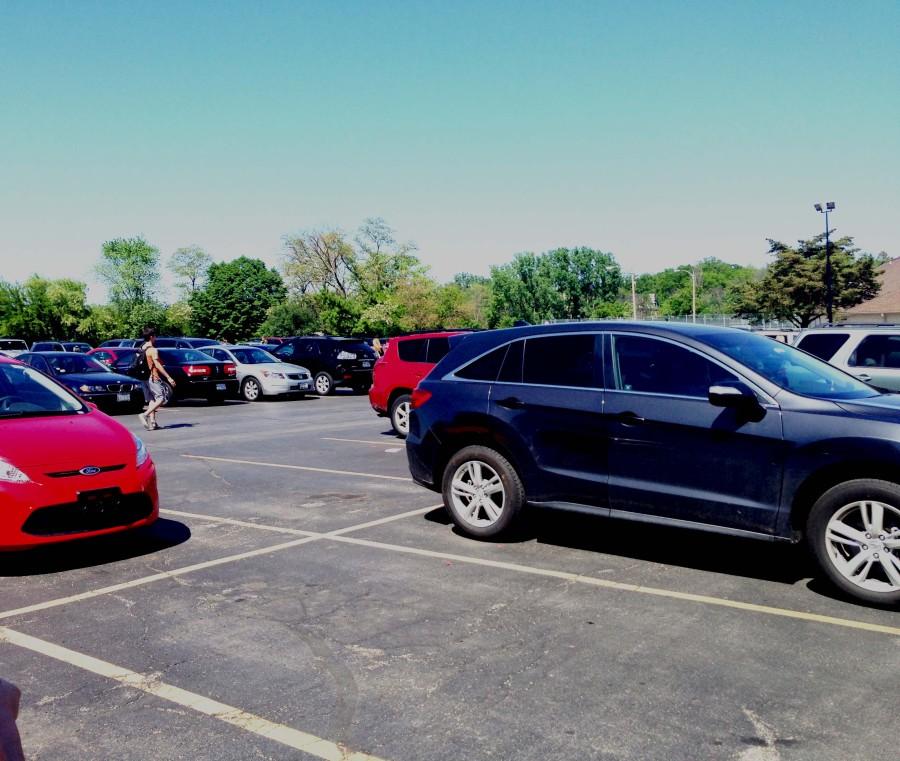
(433, 334)
(57, 353)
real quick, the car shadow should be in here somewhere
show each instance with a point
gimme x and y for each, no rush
(200, 402)
(85, 553)
(780, 562)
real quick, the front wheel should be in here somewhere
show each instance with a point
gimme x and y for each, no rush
(482, 491)
(400, 410)
(854, 532)
(251, 391)
(324, 384)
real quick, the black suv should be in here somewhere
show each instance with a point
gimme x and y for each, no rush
(332, 361)
(686, 425)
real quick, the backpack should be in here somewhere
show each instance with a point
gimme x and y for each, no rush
(141, 370)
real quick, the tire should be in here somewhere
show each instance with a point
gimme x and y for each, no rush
(251, 390)
(853, 531)
(324, 384)
(474, 466)
(400, 409)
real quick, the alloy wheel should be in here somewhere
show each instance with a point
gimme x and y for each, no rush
(478, 494)
(401, 418)
(323, 385)
(862, 541)
(251, 390)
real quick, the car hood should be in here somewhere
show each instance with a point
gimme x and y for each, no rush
(65, 442)
(273, 367)
(884, 407)
(74, 380)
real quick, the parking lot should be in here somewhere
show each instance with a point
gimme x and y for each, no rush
(301, 598)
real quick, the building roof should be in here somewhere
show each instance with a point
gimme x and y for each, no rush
(888, 299)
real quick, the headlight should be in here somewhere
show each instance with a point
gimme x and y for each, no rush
(84, 388)
(346, 355)
(10, 473)
(142, 455)
(270, 374)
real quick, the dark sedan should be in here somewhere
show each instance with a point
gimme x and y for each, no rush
(199, 376)
(90, 379)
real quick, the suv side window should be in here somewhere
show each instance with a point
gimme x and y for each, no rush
(413, 350)
(438, 348)
(823, 345)
(511, 372)
(649, 365)
(569, 360)
(484, 368)
(877, 351)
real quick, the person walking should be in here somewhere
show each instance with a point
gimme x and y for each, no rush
(157, 394)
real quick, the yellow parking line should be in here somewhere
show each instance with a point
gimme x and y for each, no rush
(298, 467)
(149, 683)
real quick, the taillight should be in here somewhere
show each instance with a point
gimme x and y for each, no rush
(196, 371)
(419, 397)
(230, 369)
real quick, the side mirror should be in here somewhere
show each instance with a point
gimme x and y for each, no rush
(733, 395)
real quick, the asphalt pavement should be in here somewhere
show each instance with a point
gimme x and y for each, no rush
(301, 598)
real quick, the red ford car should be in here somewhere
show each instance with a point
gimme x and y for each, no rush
(67, 471)
(406, 361)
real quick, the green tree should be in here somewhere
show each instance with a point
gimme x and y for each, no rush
(295, 316)
(43, 308)
(668, 292)
(560, 284)
(318, 260)
(235, 300)
(793, 286)
(190, 265)
(130, 269)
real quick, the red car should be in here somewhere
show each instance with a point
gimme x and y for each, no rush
(67, 471)
(406, 361)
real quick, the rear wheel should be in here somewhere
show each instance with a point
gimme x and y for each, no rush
(251, 390)
(324, 384)
(400, 409)
(482, 491)
(854, 532)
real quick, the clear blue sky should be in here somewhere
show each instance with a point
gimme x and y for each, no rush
(663, 132)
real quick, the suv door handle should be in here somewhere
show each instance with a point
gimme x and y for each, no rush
(629, 418)
(864, 377)
(511, 403)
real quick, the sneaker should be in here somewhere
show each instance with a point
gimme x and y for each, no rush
(146, 423)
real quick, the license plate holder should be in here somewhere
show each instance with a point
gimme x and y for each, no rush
(367, 364)
(220, 387)
(123, 397)
(99, 499)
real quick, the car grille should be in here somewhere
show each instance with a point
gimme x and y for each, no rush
(108, 511)
(120, 388)
(298, 376)
(69, 473)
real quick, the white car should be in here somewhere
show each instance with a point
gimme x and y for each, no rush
(260, 374)
(870, 352)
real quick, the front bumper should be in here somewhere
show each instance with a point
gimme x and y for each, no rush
(275, 387)
(52, 510)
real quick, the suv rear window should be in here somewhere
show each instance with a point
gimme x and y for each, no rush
(877, 351)
(823, 345)
(414, 350)
(485, 368)
(561, 361)
(438, 348)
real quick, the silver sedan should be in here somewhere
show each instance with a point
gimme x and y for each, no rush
(260, 374)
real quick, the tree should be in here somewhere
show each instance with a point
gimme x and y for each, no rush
(130, 269)
(42, 308)
(235, 300)
(560, 284)
(793, 286)
(319, 261)
(295, 316)
(669, 292)
(190, 265)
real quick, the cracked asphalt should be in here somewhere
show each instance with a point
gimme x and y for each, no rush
(579, 638)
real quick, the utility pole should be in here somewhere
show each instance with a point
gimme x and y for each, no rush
(829, 278)
(633, 298)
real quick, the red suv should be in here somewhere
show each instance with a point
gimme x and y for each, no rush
(406, 361)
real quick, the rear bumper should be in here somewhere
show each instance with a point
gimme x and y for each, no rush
(422, 453)
(37, 514)
(197, 389)
(378, 399)
(352, 376)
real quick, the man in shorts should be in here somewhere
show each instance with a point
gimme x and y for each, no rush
(156, 395)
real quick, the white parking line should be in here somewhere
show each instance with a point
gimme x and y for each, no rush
(385, 443)
(149, 683)
(299, 467)
(338, 536)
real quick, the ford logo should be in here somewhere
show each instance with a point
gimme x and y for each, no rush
(89, 470)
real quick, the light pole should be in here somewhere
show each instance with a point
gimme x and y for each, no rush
(829, 279)
(633, 298)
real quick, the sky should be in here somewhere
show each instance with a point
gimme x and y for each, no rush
(663, 132)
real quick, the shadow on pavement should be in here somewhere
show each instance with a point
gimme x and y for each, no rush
(769, 561)
(86, 553)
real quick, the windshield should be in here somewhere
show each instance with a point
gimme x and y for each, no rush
(24, 392)
(74, 363)
(788, 367)
(253, 356)
(13, 345)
